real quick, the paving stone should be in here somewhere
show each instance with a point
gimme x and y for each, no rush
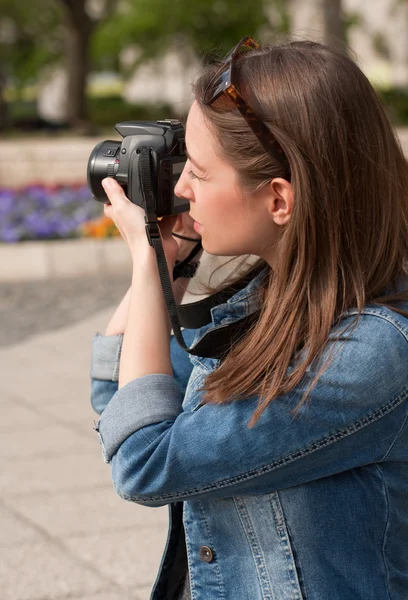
(88, 511)
(119, 594)
(25, 382)
(15, 530)
(49, 474)
(144, 593)
(66, 405)
(78, 414)
(17, 417)
(130, 558)
(44, 571)
(35, 307)
(66, 397)
(43, 441)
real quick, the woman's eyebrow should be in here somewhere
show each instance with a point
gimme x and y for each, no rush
(191, 159)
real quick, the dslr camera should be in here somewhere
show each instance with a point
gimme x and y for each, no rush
(120, 160)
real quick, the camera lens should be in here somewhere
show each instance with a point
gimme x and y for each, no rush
(101, 164)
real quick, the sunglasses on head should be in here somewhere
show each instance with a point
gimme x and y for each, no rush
(224, 83)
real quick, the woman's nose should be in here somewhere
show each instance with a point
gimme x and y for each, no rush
(182, 189)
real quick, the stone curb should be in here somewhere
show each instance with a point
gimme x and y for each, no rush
(41, 260)
(59, 259)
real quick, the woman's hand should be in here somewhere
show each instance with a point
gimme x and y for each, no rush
(129, 219)
(184, 227)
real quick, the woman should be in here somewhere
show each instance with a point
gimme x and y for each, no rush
(288, 458)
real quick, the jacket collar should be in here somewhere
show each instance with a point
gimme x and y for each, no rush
(243, 303)
(248, 300)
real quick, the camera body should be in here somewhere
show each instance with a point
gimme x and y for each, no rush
(120, 160)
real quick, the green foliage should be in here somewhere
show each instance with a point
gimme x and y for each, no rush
(109, 110)
(380, 45)
(104, 112)
(209, 27)
(31, 38)
(396, 101)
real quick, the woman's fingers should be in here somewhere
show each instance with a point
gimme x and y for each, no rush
(115, 195)
(114, 191)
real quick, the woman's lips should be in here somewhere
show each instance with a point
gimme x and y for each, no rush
(197, 227)
(196, 224)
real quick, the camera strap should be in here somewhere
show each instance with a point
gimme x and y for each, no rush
(216, 342)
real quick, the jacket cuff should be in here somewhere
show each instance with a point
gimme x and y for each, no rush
(106, 350)
(141, 402)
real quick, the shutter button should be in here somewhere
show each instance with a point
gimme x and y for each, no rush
(206, 554)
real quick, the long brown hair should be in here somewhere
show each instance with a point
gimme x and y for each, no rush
(347, 239)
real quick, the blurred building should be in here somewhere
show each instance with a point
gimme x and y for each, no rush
(377, 33)
(166, 80)
(378, 38)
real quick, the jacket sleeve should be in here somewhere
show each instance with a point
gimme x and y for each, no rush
(160, 454)
(105, 359)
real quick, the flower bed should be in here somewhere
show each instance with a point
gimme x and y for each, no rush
(38, 212)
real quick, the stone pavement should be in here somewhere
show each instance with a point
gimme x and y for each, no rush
(64, 531)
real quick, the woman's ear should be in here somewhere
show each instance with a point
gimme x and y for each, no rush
(280, 199)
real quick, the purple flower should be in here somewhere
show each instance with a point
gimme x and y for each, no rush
(38, 212)
(10, 234)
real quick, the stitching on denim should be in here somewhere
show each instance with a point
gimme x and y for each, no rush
(191, 385)
(396, 438)
(104, 453)
(189, 558)
(385, 528)
(115, 375)
(386, 317)
(291, 572)
(286, 460)
(255, 547)
(297, 566)
(216, 563)
(246, 298)
(197, 363)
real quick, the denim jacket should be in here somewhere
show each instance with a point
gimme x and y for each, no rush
(306, 507)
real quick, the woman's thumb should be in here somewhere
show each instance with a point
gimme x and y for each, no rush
(113, 190)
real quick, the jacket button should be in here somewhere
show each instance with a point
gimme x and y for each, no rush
(206, 554)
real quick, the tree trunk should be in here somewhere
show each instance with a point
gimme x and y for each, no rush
(79, 27)
(333, 19)
(319, 20)
(4, 116)
(306, 19)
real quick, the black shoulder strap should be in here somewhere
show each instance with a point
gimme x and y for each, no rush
(197, 314)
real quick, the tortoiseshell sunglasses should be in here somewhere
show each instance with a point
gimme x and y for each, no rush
(224, 82)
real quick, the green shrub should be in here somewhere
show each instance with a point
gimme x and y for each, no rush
(103, 113)
(396, 101)
(108, 110)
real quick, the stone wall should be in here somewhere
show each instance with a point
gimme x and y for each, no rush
(45, 160)
(59, 160)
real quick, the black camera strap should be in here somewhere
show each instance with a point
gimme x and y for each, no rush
(216, 342)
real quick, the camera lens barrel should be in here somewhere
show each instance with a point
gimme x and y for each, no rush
(103, 162)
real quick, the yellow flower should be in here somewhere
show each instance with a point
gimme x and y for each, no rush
(100, 228)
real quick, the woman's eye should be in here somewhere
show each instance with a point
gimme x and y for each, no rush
(192, 175)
